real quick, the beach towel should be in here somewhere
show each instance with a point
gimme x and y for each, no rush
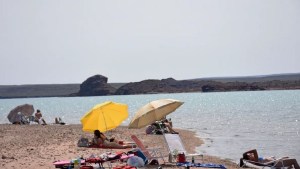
(136, 161)
(105, 147)
(207, 165)
(66, 163)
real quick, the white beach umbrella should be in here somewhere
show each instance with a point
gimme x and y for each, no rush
(153, 111)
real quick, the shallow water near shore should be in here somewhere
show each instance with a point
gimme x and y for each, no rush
(228, 122)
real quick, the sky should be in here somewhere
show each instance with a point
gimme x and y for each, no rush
(59, 42)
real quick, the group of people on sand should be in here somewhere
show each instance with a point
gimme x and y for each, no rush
(101, 139)
(40, 120)
(252, 155)
(162, 126)
(167, 124)
(37, 118)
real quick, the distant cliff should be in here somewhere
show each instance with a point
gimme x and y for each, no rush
(173, 86)
(169, 85)
(97, 86)
(40, 90)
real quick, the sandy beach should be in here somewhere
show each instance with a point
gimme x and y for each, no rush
(37, 146)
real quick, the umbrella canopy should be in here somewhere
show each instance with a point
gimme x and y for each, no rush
(153, 111)
(104, 116)
(25, 109)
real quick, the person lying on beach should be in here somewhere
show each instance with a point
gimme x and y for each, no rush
(101, 139)
(252, 155)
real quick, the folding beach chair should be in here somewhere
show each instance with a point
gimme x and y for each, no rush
(276, 163)
(150, 153)
(175, 146)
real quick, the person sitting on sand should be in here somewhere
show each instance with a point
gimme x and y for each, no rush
(252, 155)
(168, 124)
(59, 121)
(100, 138)
(38, 117)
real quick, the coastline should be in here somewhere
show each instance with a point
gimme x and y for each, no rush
(290, 81)
(36, 146)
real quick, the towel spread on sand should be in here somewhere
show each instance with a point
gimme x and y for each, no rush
(207, 165)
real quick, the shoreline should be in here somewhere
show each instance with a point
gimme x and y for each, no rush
(36, 146)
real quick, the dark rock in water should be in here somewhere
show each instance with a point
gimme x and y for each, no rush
(96, 86)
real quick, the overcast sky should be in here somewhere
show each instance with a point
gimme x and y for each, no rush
(55, 41)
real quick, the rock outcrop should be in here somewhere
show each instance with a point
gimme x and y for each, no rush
(171, 85)
(96, 86)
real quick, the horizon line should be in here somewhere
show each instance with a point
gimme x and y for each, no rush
(224, 77)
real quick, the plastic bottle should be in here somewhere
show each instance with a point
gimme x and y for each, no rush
(70, 165)
(79, 162)
(170, 157)
(76, 164)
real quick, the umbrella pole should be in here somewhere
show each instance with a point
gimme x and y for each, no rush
(110, 132)
(104, 122)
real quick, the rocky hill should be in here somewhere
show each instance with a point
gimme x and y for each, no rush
(173, 86)
(97, 86)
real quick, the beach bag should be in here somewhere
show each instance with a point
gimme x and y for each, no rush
(136, 161)
(150, 129)
(83, 142)
(137, 152)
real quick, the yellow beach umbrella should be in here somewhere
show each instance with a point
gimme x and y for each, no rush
(153, 111)
(105, 116)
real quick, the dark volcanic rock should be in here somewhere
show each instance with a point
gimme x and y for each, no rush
(169, 85)
(207, 88)
(96, 86)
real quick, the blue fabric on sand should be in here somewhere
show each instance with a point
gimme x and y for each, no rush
(207, 165)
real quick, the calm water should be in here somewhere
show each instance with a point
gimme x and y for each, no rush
(229, 122)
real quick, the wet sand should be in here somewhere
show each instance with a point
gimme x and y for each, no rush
(37, 146)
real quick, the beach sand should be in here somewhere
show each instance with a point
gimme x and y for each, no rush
(37, 146)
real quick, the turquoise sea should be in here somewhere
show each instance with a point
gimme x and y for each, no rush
(229, 122)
